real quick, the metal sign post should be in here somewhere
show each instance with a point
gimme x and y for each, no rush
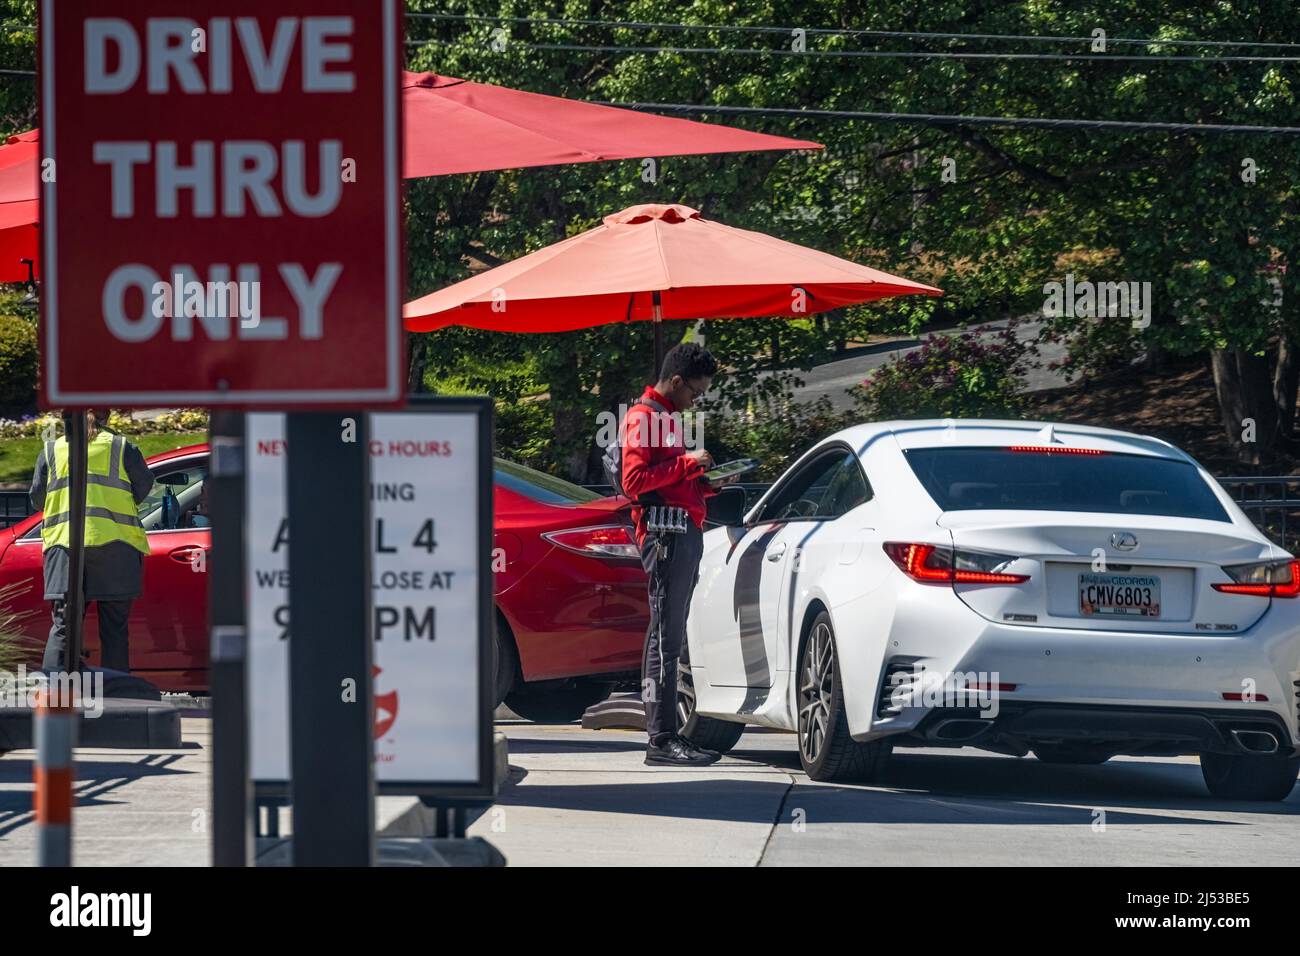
(74, 608)
(232, 803)
(330, 638)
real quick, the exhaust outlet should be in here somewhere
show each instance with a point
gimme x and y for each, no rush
(1255, 741)
(961, 728)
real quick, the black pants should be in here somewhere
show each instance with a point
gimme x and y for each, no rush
(112, 615)
(672, 581)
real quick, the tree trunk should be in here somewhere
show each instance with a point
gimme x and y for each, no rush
(1243, 383)
(1286, 380)
(574, 433)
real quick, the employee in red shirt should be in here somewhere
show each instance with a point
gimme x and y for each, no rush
(659, 470)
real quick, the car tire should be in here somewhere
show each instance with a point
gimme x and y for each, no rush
(505, 660)
(1249, 777)
(1078, 755)
(826, 750)
(560, 705)
(707, 732)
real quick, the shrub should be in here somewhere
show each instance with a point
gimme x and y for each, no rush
(15, 646)
(525, 432)
(19, 360)
(50, 424)
(974, 374)
(774, 432)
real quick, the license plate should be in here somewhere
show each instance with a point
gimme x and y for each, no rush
(1119, 595)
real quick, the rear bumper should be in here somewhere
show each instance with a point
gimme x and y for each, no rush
(1020, 725)
(1162, 678)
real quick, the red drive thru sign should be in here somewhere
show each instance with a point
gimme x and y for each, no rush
(221, 216)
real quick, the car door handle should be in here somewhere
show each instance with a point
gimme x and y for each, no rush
(775, 553)
(185, 553)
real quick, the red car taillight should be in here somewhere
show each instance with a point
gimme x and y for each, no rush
(603, 541)
(1263, 579)
(932, 564)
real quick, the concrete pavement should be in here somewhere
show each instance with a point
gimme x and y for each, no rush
(149, 807)
(580, 797)
(585, 797)
(131, 807)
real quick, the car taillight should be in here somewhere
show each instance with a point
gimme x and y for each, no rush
(603, 541)
(932, 564)
(1056, 450)
(1263, 579)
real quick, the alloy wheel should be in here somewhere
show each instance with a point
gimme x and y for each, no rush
(816, 682)
(685, 693)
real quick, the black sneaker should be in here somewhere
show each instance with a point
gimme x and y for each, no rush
(677, 752)
(693, 746)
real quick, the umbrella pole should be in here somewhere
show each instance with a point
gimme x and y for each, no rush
(659, 338)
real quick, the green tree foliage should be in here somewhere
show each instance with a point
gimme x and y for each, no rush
(989, 214)
(1018, 208)
(18, 361)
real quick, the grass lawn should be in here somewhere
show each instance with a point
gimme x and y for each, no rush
(18, 455)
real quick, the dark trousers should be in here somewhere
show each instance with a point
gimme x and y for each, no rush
(672, 581)
(112, 615)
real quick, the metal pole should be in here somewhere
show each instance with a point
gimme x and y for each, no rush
(330, 640)
(56, 729)
(74, 426)
(232, 792)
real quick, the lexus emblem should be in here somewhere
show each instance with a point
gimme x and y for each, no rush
(1124, 541)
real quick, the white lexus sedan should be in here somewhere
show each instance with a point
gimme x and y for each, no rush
(1014, 586)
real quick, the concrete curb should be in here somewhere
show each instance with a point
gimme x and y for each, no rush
(414, 819)
(399, 851)
(125, 724)
(405, 828)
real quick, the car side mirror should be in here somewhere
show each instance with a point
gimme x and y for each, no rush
(727, 507)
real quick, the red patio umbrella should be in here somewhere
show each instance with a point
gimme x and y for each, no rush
(458, 126)
(452, 126)
(655, 262)
(19, 212)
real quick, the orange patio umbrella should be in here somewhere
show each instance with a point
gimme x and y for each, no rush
(655, 262)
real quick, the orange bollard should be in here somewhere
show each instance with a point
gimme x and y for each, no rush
(52, 802)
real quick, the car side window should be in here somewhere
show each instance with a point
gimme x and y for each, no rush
(819, 488)
(846, 489)
(176, 495)
(186, 487)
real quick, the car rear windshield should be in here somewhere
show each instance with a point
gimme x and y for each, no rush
(539, 486)
(983, 479)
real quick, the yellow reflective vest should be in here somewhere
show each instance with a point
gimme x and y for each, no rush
(111, 513)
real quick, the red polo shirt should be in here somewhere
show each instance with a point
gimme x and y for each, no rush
(654, 460)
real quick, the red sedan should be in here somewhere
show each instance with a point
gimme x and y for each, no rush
(571, 600)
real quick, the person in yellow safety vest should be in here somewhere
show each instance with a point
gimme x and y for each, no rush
(117, 480)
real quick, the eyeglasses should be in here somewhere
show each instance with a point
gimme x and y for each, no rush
(695, 392)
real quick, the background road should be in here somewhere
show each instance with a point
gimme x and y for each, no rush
(584, 797)
(834, 378)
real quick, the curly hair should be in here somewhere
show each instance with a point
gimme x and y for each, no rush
(690, 361)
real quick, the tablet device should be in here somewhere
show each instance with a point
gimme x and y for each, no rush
(738, 467)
